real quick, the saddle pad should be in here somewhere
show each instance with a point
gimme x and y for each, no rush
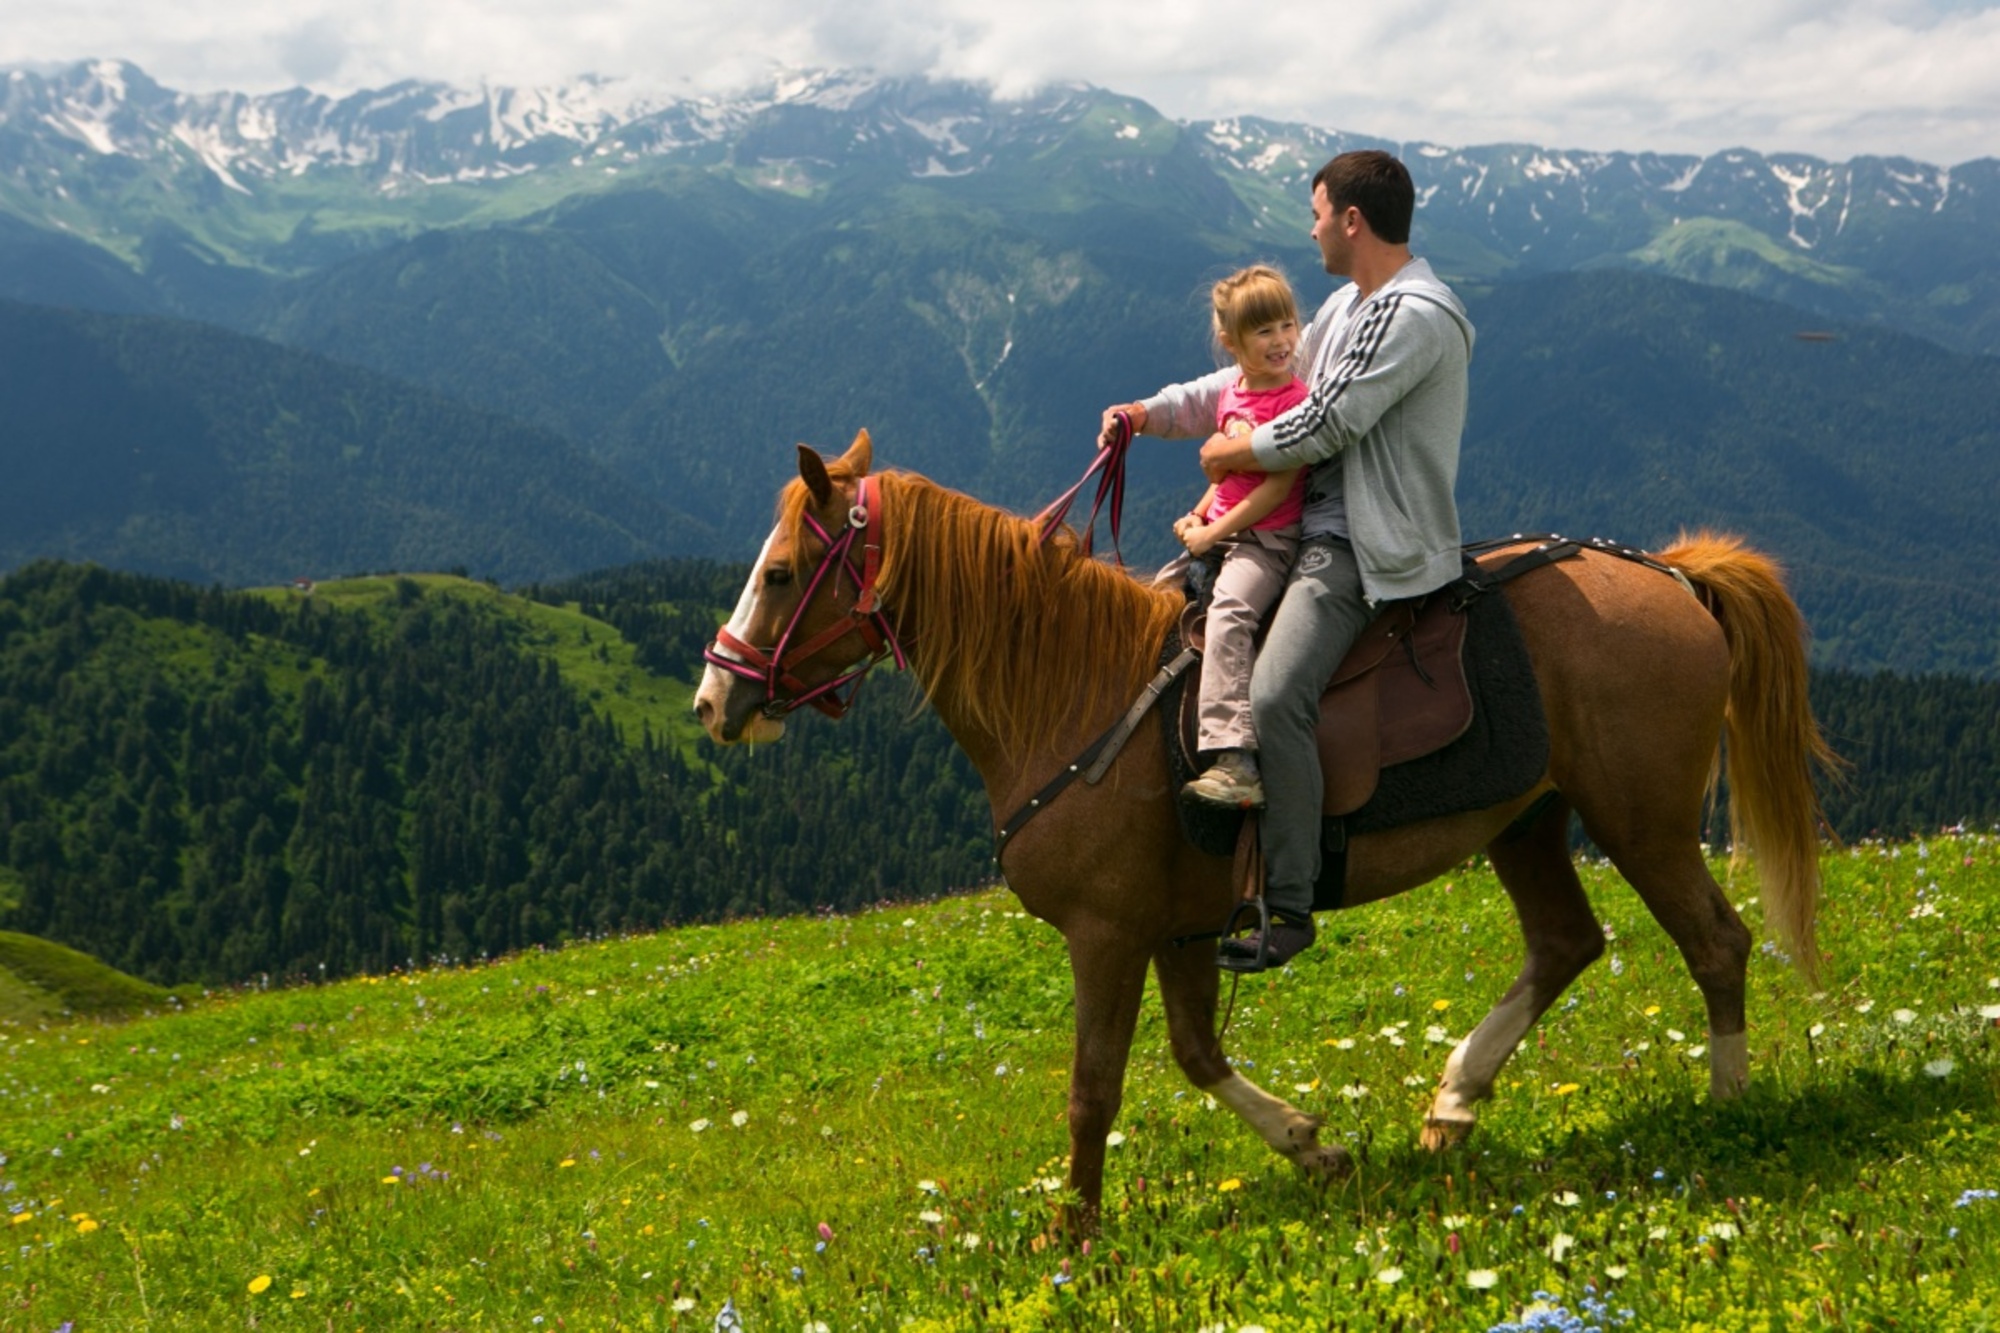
(1502, 752)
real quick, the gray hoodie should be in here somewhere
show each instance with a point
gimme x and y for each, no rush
(1380, 429)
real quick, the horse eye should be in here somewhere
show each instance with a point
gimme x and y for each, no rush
(777, 576)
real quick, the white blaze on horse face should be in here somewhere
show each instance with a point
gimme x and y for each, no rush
(716, 683)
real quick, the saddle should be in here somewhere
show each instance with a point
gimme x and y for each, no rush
(1399, 694)
(1433, 712)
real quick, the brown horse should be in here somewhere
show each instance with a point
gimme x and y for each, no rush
(1027, 650)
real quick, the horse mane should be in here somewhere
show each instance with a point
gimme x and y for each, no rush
(1015, 636)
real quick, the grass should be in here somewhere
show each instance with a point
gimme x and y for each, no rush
(858, 1122)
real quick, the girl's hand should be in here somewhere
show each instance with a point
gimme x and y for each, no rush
(1184, 524)
(1199, 539)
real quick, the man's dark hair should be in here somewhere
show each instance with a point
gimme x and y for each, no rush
(1376, 183)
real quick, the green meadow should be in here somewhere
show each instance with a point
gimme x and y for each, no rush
(857, 1122)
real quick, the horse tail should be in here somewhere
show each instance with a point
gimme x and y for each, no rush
(1773, 747)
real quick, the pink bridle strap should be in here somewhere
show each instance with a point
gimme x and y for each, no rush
(774, 668)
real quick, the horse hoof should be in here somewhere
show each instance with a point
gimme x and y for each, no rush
(1326, 1163)
(1441, 1135)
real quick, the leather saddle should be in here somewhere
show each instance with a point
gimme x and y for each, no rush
(1399, 694)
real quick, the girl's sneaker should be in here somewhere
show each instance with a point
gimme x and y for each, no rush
(1231, 783)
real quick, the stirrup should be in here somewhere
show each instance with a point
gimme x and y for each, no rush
(1259, 961)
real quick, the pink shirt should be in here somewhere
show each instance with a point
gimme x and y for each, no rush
(1258, 406)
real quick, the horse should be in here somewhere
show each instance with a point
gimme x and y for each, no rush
(1028, 648)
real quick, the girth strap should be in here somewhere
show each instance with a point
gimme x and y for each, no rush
(1096, 759)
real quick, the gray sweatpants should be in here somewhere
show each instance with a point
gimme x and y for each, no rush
(1318, 619)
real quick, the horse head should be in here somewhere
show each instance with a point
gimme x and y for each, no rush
(806, 623)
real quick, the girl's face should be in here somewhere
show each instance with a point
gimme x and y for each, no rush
(1264, 353)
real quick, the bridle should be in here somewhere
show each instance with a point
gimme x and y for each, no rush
(773, 668)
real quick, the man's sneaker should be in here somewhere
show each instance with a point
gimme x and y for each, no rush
(1289, 935)
(1231, 783)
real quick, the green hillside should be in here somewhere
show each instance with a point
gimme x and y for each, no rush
(857, 1122)
(41, 980)
(202, 785)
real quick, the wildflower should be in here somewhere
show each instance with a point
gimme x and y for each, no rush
(1567, 1088)
(260, 1283)
(1436, 1035)
(682, 1304)
(1696, 1052)
(1904, 1016)
(1354, 1092)
(1940, 1067)
(566, 1163)
(85, 1226)
(1113, 1139)
(1970, 1197)
(1616, 1272)
(1652, 1011)
(969, 1240)
(1568, 1199)
(1390, 1276)
(699, 1125)
(825, 1233)
(1864, 1006)
(931, 1216)
(1675, 1034)
(740, 1119)
(1440, 1005)
(1481, 1279)
(1561, 1245)
(1230, 1185)
(1991, 1011)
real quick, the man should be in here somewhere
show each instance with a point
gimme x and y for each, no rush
(1386, 360)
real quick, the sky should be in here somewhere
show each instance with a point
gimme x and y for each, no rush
(1832, 78)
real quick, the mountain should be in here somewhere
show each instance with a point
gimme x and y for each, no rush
(181, 184)
(177, 448)
(672, 292)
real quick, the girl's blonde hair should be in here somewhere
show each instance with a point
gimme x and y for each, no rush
(1249, 299)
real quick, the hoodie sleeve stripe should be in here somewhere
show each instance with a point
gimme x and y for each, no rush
(1292, 429)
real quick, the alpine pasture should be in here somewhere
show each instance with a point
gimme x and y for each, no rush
(856, 1122)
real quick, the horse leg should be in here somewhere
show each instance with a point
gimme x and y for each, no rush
(1109, 973)
(1562, 937)
(1188, 982)
(1673, 881)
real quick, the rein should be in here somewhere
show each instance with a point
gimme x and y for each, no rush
(1110, 463)
(773, 668)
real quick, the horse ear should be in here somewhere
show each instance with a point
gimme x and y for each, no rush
(812, 469)
(860, 455)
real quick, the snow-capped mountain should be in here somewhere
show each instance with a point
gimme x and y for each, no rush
(286, 182)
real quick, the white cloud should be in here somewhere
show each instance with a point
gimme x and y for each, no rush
(1835, 78)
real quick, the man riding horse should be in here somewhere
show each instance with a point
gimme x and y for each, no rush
(1380, 431)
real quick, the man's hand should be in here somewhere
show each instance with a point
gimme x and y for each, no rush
(1135, 412)
(1224, 454)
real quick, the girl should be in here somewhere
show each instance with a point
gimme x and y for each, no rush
(1252, 517)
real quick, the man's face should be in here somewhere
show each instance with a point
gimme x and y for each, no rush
(1329, 231)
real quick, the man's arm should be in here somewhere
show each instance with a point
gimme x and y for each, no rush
(1395, 344)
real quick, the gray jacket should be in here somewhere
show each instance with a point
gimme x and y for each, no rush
(1380, 428)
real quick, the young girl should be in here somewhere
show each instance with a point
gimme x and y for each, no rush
(1253, 517)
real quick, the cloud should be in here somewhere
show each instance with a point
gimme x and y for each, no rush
(1835, 78)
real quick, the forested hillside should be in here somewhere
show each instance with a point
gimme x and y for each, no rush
(208, 785)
